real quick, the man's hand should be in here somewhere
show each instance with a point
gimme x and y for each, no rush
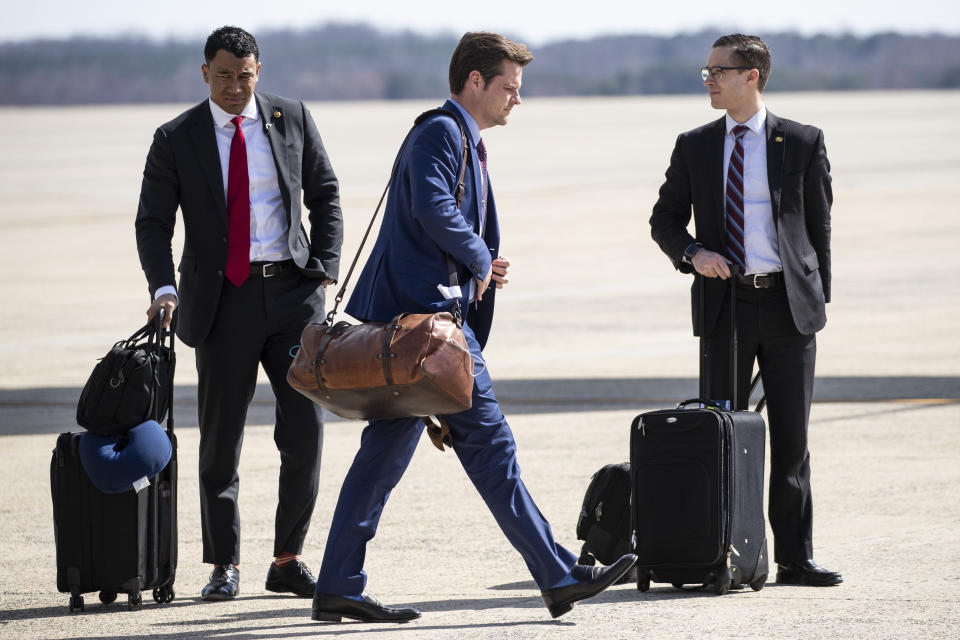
(483, 284)
(167, 302)
(499, 269)
(710, 264)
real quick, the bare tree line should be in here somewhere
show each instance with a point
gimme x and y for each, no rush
(358, 62)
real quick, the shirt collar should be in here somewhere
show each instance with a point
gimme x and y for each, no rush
(221, 118)
(471, 123)
(756, 123)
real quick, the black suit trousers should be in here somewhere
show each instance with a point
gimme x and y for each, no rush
(257, 323)
(786, 358)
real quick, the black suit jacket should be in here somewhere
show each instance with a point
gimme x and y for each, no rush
(183, 170)
(798, 173)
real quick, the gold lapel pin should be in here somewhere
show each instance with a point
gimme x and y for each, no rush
(777, 139)
(276, 114)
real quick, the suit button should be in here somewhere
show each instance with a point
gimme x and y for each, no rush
(219, 274)
(224, 239)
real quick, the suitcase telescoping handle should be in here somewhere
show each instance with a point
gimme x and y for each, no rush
(703, 401)
(161, 335)
(734, 349)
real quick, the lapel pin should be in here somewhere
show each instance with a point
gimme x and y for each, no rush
(778, 139)
(276, 114)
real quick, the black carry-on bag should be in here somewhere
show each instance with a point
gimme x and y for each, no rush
(697, 489)
(115, 542)
(604, 521)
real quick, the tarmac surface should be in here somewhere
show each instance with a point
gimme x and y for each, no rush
(592, 330)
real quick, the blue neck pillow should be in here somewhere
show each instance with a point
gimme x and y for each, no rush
(117, 463)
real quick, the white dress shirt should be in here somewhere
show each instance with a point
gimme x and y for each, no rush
(759, 233)
(268, 218)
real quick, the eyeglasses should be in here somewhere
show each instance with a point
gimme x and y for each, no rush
(716, 73)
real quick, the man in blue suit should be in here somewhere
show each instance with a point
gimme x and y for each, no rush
(407, 272)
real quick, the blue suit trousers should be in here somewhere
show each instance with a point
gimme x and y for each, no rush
(485, 446)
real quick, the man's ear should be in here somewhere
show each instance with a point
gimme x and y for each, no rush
(205, 70)
(475, 79)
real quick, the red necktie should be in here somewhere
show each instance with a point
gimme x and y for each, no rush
(734, 200)
(238, 209)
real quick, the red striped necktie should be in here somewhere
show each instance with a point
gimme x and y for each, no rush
(734, 201)
(238, 209)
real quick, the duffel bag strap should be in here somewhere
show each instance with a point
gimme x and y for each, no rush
(439, 432)
(329, 333)
(458, 194)
(386, 356)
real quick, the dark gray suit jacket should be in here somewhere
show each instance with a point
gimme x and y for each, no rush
(183, 170)
(798, 173)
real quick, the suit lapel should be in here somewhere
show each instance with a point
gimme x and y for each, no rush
(205, 142)
(776, 147)
(474, 164)
(713, 163)
(274, 128)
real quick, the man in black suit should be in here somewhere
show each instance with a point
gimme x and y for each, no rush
(250, 280)
(759, 188)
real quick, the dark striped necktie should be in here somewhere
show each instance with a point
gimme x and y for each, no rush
(734, 200)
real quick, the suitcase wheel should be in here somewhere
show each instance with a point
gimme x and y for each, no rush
(106, 597)
(757, 584)
(643, 585)
(164, 595)
(135, 601)
(76, 602)
(723, 581)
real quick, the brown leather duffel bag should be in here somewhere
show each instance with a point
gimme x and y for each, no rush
(415, 365)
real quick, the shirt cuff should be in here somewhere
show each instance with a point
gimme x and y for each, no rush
(165, 290)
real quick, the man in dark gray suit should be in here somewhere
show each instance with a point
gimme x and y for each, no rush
(250, 279)
(759, 187)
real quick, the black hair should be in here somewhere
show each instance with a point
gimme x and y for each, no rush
(233, 40)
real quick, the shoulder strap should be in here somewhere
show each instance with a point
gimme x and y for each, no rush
(458, 194)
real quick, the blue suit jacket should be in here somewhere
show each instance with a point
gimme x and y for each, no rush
(422, 225)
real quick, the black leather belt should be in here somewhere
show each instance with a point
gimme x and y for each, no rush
(267, 269)
(761, 280)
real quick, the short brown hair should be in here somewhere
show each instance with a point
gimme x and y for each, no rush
(484, 52)
(749, 51)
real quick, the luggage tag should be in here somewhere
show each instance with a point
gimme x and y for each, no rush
(141, 484)
(449, 293)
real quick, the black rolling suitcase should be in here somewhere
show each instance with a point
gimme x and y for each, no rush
(697, 492)
(114, 543)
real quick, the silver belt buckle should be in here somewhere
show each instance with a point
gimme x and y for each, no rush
(756, 280)
(264, 268)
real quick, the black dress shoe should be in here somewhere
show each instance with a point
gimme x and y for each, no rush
(224, 583)
(331, 608)
(293, 577)
(807, 573)
(590, 582)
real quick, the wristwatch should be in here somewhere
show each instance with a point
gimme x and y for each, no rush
(691, 251)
